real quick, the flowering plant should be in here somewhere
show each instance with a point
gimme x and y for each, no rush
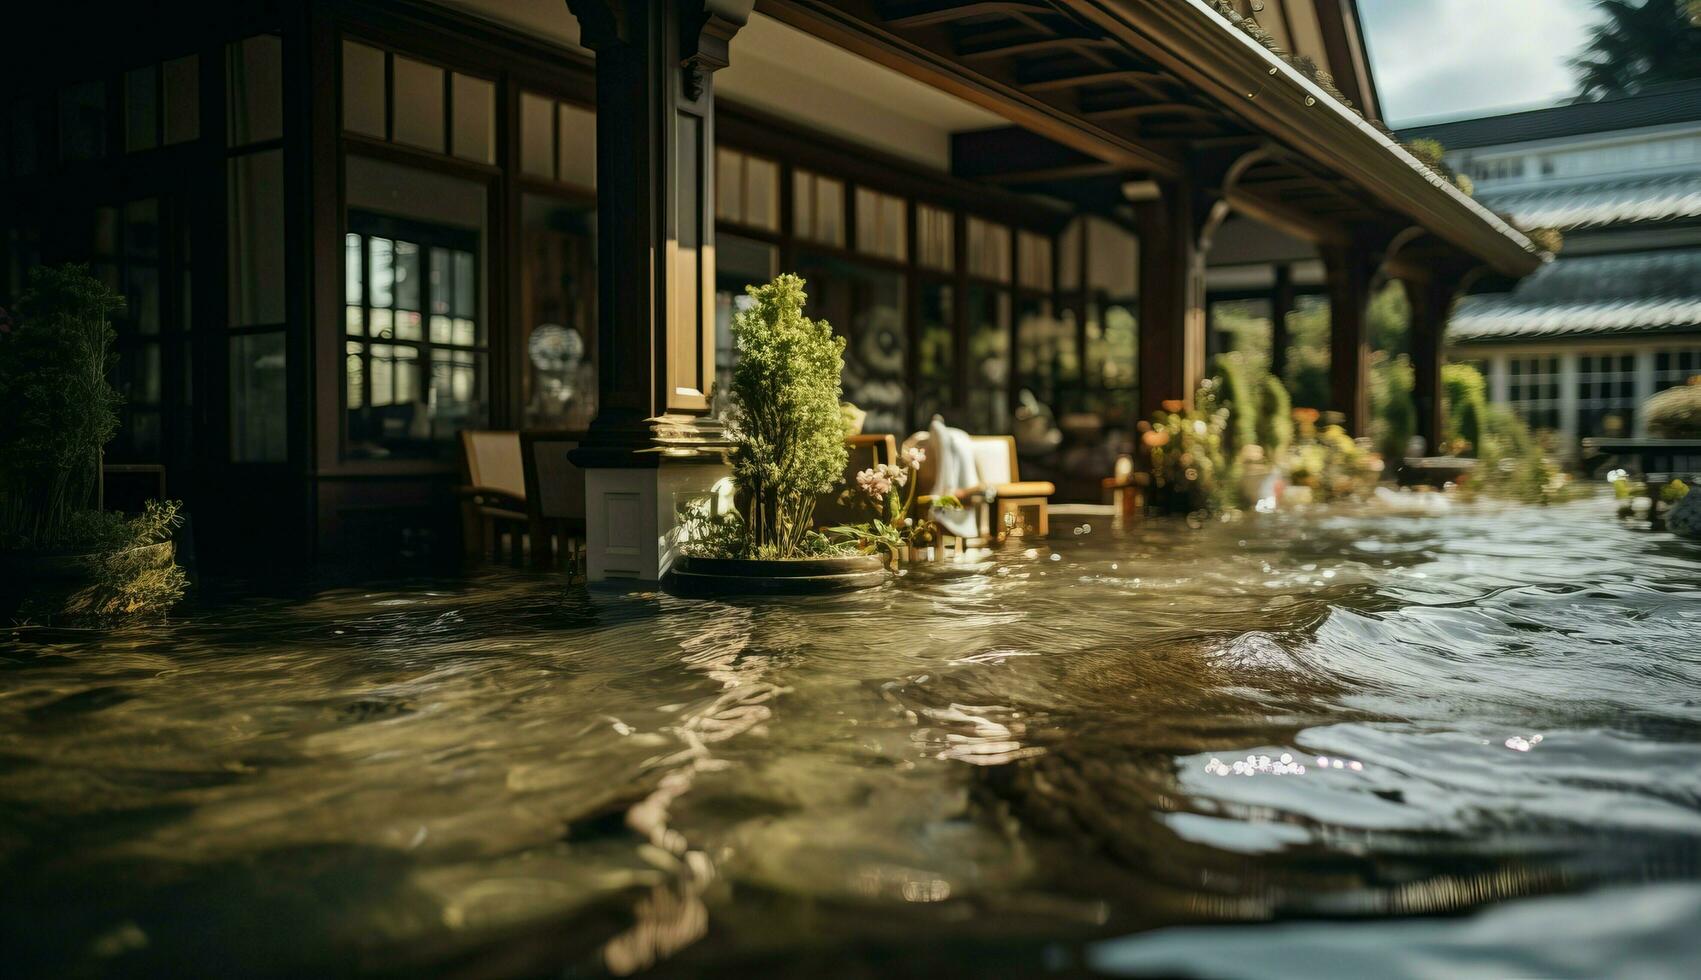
(897, 529)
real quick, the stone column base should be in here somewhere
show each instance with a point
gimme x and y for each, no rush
(632, 515)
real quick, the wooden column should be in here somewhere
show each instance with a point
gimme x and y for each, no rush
(1431, 303)
(1349, 270)
(655, 65)
(1172, 298)
(1281, 304)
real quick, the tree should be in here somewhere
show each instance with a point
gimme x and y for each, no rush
(1639, 44)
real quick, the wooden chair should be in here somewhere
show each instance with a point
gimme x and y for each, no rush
(849, 505)
(493, 499)
(1006, 504)
(1125, 488)
(555, 498)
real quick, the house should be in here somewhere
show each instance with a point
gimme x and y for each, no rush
(1578, 346)
(349, 229)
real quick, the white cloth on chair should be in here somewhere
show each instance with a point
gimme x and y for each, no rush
(954, 469)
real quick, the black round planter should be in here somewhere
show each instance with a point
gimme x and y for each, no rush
(752, 576)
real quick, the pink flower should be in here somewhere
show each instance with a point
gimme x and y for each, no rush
(913, 457)
(874, 483)
(897, 475)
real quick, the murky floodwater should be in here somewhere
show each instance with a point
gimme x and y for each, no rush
(1010, 768)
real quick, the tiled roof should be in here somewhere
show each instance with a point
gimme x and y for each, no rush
(1644, 292)
(1673, 103)
(1594, 205)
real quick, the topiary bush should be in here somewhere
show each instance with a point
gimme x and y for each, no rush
(1675, 413)
(787, 430)
(1235, 394)
(1393, 411)
(57, 408)
(1275, 417)
(1466, 396)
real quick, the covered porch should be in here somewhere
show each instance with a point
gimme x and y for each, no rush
(1014, 212)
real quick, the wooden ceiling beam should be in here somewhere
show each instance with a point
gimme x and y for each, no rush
(1029, 45)
(927, 13)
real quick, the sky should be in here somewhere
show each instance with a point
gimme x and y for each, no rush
(1440, 59)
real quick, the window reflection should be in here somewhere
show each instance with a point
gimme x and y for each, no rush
(739, 263)
(558, 302)
(865, 306)
(416, 347)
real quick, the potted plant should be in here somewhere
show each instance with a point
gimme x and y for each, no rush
(897, 533)
(59, 409)
(788, 439)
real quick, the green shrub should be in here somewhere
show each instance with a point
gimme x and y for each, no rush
(57, 407)
(136, 574)
(1236, 396)
(1674, 413)
(788, 433)
(1275, 418)
(1183, 452)
(1466, 395)
(1393, 412)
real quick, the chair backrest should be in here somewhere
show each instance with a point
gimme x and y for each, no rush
(929, 463)
(995, 459)
(555, 487)
(493, 460)
(847, 504)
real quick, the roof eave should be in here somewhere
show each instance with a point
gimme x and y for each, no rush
(1191, 39)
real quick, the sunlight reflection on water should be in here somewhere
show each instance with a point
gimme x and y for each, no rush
(992, 768)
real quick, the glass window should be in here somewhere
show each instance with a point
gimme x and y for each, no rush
(739, 263)
(933, 228)
(364, 106)
(82, 122)
(416, 346)
(259, 419)
(418, 116)
(256, 239)
(254, 90)
(1606, 394)
(558, 303)
(880, 225)
(1033, 261)
(537, 135)
(747, 190)
(936, 356)
(1533, 390)
(1675, 367)
(1113, 263)
(475, 118)
(1111, 357)
(989, 250)
(141, 108)
(182, 99)
(1048, 363)
(578, 149)
(818, 208)
(988, 401)
(865, 306)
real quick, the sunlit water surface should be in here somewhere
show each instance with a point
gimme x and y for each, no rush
(1467, 745)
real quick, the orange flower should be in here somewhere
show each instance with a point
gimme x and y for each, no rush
(1155, 439)
(1172, 405)
(1306, 415)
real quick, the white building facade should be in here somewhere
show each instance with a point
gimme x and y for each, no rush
(1579, 346)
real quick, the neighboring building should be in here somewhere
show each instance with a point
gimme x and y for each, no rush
(350, 229)
(1577, 347)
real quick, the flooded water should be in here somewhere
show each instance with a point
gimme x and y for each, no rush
(1336, 744)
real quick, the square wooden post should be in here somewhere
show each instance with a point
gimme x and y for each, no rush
(649, 449)
(1350, 270)
(1172, 299)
